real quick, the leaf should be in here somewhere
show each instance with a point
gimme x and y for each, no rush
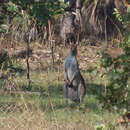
(12, 7)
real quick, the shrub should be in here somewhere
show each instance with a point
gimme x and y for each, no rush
(117, 72)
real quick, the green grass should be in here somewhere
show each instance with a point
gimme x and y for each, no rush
(83, 116)
(87, 115)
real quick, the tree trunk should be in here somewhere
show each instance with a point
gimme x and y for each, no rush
(98, 18)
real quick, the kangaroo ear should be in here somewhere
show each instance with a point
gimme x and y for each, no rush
(72, 45)
(75, 45)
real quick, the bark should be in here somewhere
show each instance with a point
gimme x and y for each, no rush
(28, 68)
(98, 18)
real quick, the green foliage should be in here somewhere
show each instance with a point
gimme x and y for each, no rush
(43, 11)
(8, 68)
(125, 18)
(5, 61)
(21, 11)
(106, 60)
(109, 126)
(100, 127)
(2, 18)
(117, 14)
(40, 11)
(11, 7)
(2, 29)
(118, 72)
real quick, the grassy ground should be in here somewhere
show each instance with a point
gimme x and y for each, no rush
(45, 108)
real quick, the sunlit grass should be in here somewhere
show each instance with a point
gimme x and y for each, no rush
(47, 109)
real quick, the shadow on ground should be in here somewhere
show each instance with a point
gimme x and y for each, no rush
(56, 97)
(52, 97)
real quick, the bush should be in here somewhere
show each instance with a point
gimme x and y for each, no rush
(117, 72)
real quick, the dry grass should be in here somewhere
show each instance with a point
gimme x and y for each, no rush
(36, 119)
(47, 111)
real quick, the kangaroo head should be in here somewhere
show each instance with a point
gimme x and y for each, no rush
(73, 49)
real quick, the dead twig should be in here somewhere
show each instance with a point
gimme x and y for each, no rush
(51, 41)
(28, 67)
(118, 29)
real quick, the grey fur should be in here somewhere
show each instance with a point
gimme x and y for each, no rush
(74, 87)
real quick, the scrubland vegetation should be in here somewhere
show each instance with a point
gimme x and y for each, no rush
(106, 71)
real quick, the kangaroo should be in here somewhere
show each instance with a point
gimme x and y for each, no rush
(74, 87)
